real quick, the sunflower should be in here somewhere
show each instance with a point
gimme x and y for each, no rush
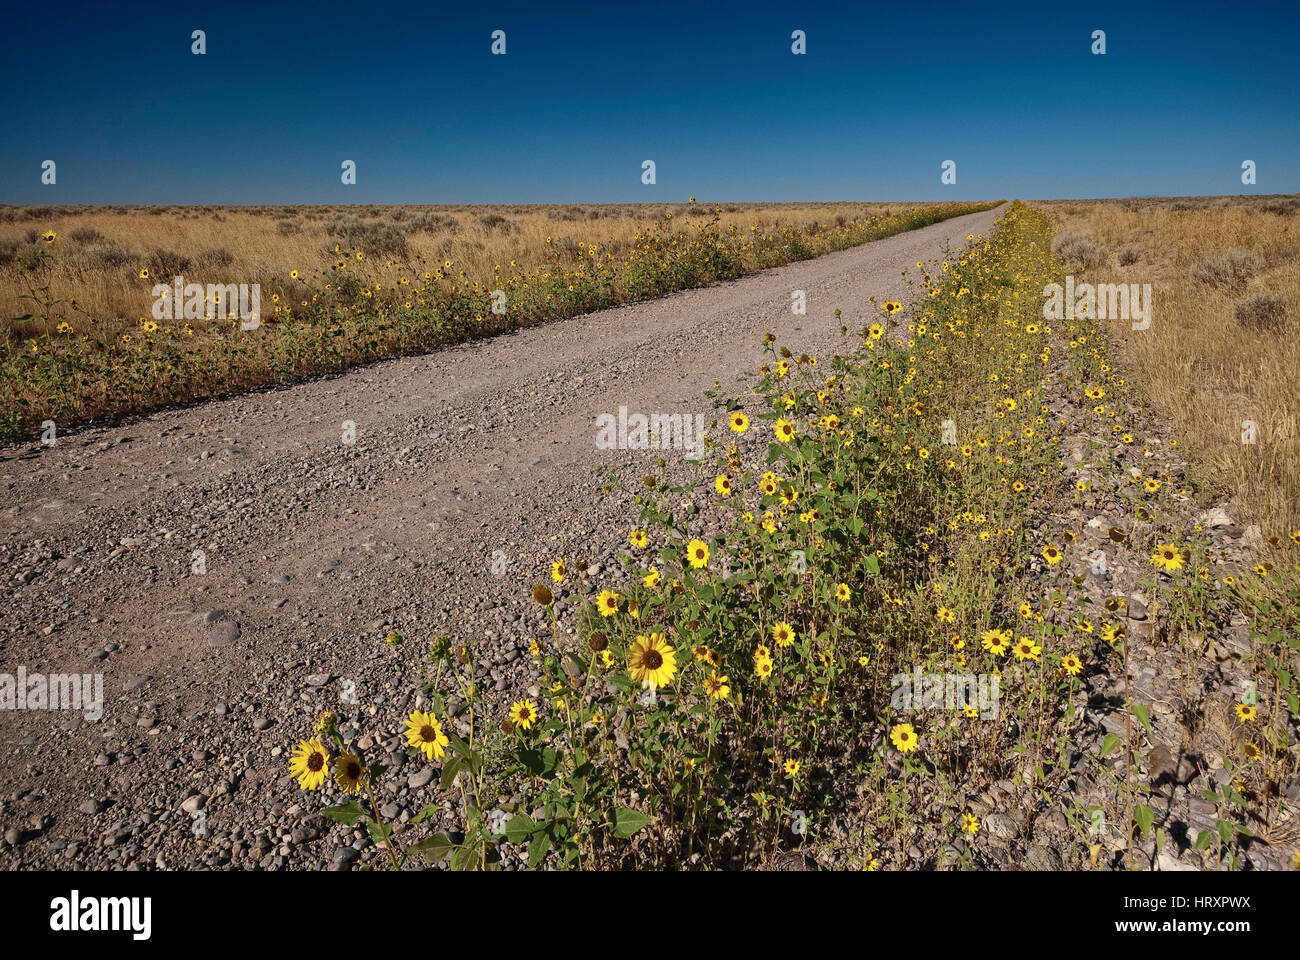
(903, 737)
(350, 773)
(875, 331)
(558, 571)
(144, 273)
(637, 538)
(48, 236)
(309, 764)
(1168, 557)
(722, 485)
(891, 307)
(1071, 664)
(1052, 555)
(996, 641)
(715, 685)
(607, 603)
(783, 634)
(791, 768)
(698, 553)
(652, 578)
(523, 714)
(651, 661)
(970, 824)
(784, 430)
(739, 422)
(843, 593)
(1026, 649)
(1246, 712)
(425, 734)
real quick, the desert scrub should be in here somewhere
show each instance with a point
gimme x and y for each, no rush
(1078, 251)
(1261, 311)
(370, 302)
(1231, 269)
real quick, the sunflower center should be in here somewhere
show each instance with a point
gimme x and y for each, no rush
(315, 762)
(652, 660)
(427, 734)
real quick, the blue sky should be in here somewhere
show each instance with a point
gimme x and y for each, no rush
(710, 91)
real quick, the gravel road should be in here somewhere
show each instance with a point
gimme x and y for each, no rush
(314, 548)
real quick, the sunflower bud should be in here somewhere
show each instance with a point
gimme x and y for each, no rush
(542, 595)
(394, 639)
(597, 641)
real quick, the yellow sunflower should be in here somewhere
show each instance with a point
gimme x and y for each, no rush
(425, 734)
(309, 764)
(651, 661)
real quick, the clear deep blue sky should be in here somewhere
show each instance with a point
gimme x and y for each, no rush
(709, 91)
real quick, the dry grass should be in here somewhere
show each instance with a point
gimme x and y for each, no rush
(1224, 342)
(98, 251)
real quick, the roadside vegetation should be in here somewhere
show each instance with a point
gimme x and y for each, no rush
(729, 699)
(342, 288)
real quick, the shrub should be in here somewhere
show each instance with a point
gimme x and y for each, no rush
(433, 223)
(1078, 251)
(376, 239)
(1230, 269)
(104, 255)
(1128, 256)
(214, 257)
(1261, 311)
(167, 263)
(287, 228)
(494, 221)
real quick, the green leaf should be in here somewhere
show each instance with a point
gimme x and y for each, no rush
(378, 831)
(538, 848)
(1204, 839)
(348, 813)
(1144, 817)
(520, 828)
(628, 821)
(1141, 712)
(1110, 744)
(465, 857)
(425, 814)
(872, 564)
(450, 768)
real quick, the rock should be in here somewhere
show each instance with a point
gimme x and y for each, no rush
(345, 855)
(1039, 857)
(223, 633)
(420, 778)
(1001, 826)
(91, 806)
(1168, 861)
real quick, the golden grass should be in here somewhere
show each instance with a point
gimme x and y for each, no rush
(258, 250)
(1200, 367)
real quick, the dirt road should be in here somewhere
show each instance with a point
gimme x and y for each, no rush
(313, 547)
